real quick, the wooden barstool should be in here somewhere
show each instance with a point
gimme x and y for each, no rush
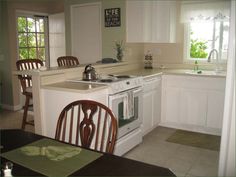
(67, 61)
(26, 84)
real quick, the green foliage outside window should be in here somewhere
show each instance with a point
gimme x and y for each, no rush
(198, 49)
(31, 38)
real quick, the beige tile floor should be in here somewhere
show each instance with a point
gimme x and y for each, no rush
(183, 160)
(12, 120)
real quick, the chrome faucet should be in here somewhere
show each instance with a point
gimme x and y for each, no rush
(217, 59)
(209, 57)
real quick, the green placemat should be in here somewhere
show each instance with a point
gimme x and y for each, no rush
(51, 158)
(199, 140)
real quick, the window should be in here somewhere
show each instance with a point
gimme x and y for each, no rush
(32, 37)
(204, 36)
(206, 28)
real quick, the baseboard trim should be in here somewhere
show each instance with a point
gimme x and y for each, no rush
(11, 108)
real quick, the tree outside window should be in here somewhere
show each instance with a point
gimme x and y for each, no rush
(206, 36)
(31, 38)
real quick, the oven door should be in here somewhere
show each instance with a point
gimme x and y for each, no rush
(128, 112)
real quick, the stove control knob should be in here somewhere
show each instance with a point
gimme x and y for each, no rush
(127, 82)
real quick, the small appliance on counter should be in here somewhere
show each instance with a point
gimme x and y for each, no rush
(89, 73)
(148, 61)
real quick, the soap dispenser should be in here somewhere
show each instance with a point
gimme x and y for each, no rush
(195, 66)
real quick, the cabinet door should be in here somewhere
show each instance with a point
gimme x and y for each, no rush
(134, 20)
(164, 13)
(157, 104)
(150, 21)
(193, 107)
(215, 109)
(172, 104)
(147, 112)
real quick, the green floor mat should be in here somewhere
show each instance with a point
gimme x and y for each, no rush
(199, 140)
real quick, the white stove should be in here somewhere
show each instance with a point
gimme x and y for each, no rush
(116, 83)
(125, 100)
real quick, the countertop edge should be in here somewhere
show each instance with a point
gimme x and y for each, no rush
(82, 91)
(139, 72)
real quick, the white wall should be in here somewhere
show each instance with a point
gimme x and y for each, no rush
(56, 37)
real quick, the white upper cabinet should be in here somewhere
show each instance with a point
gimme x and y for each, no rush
(151, 21)
(134, 21)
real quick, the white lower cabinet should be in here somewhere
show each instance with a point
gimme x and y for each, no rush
(193, 103)
(151, 103)
(172, 99)
(215, 110)
(193, 107)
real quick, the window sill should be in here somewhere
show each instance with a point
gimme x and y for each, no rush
(205, 62)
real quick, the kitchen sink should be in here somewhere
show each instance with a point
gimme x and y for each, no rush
(206, 72)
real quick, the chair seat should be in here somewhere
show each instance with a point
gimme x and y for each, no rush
(28, 92)
(29, 89)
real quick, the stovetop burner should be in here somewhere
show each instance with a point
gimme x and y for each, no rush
(116, 83)
(123, 76)
(106, 80)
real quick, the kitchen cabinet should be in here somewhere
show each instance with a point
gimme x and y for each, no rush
(151, 103)
(193, 107)
(193, 103)
(215, 106)
(151, 21)
(172, 99)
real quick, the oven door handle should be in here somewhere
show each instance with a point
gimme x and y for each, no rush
(137, 90)
(124, 94)
(118, 96)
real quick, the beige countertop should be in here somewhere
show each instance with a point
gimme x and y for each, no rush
(186, 72)
(75, 87)
(88, 87)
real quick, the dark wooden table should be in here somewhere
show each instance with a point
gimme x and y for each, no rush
(106, 165)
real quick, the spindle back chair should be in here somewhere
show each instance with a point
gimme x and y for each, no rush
(89, 124)
(67, 61)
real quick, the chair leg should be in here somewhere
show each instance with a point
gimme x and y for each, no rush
(25, 112)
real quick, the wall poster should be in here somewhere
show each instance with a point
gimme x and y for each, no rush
(112, 17)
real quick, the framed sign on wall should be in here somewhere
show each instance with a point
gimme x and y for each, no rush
(112, 17)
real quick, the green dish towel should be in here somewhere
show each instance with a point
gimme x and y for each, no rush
(51, 158)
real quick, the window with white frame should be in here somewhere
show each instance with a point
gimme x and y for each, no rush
(206, 28)
(32, 35)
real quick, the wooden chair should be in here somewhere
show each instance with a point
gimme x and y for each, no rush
(67, 61)
(26, 84)
(89, 124)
